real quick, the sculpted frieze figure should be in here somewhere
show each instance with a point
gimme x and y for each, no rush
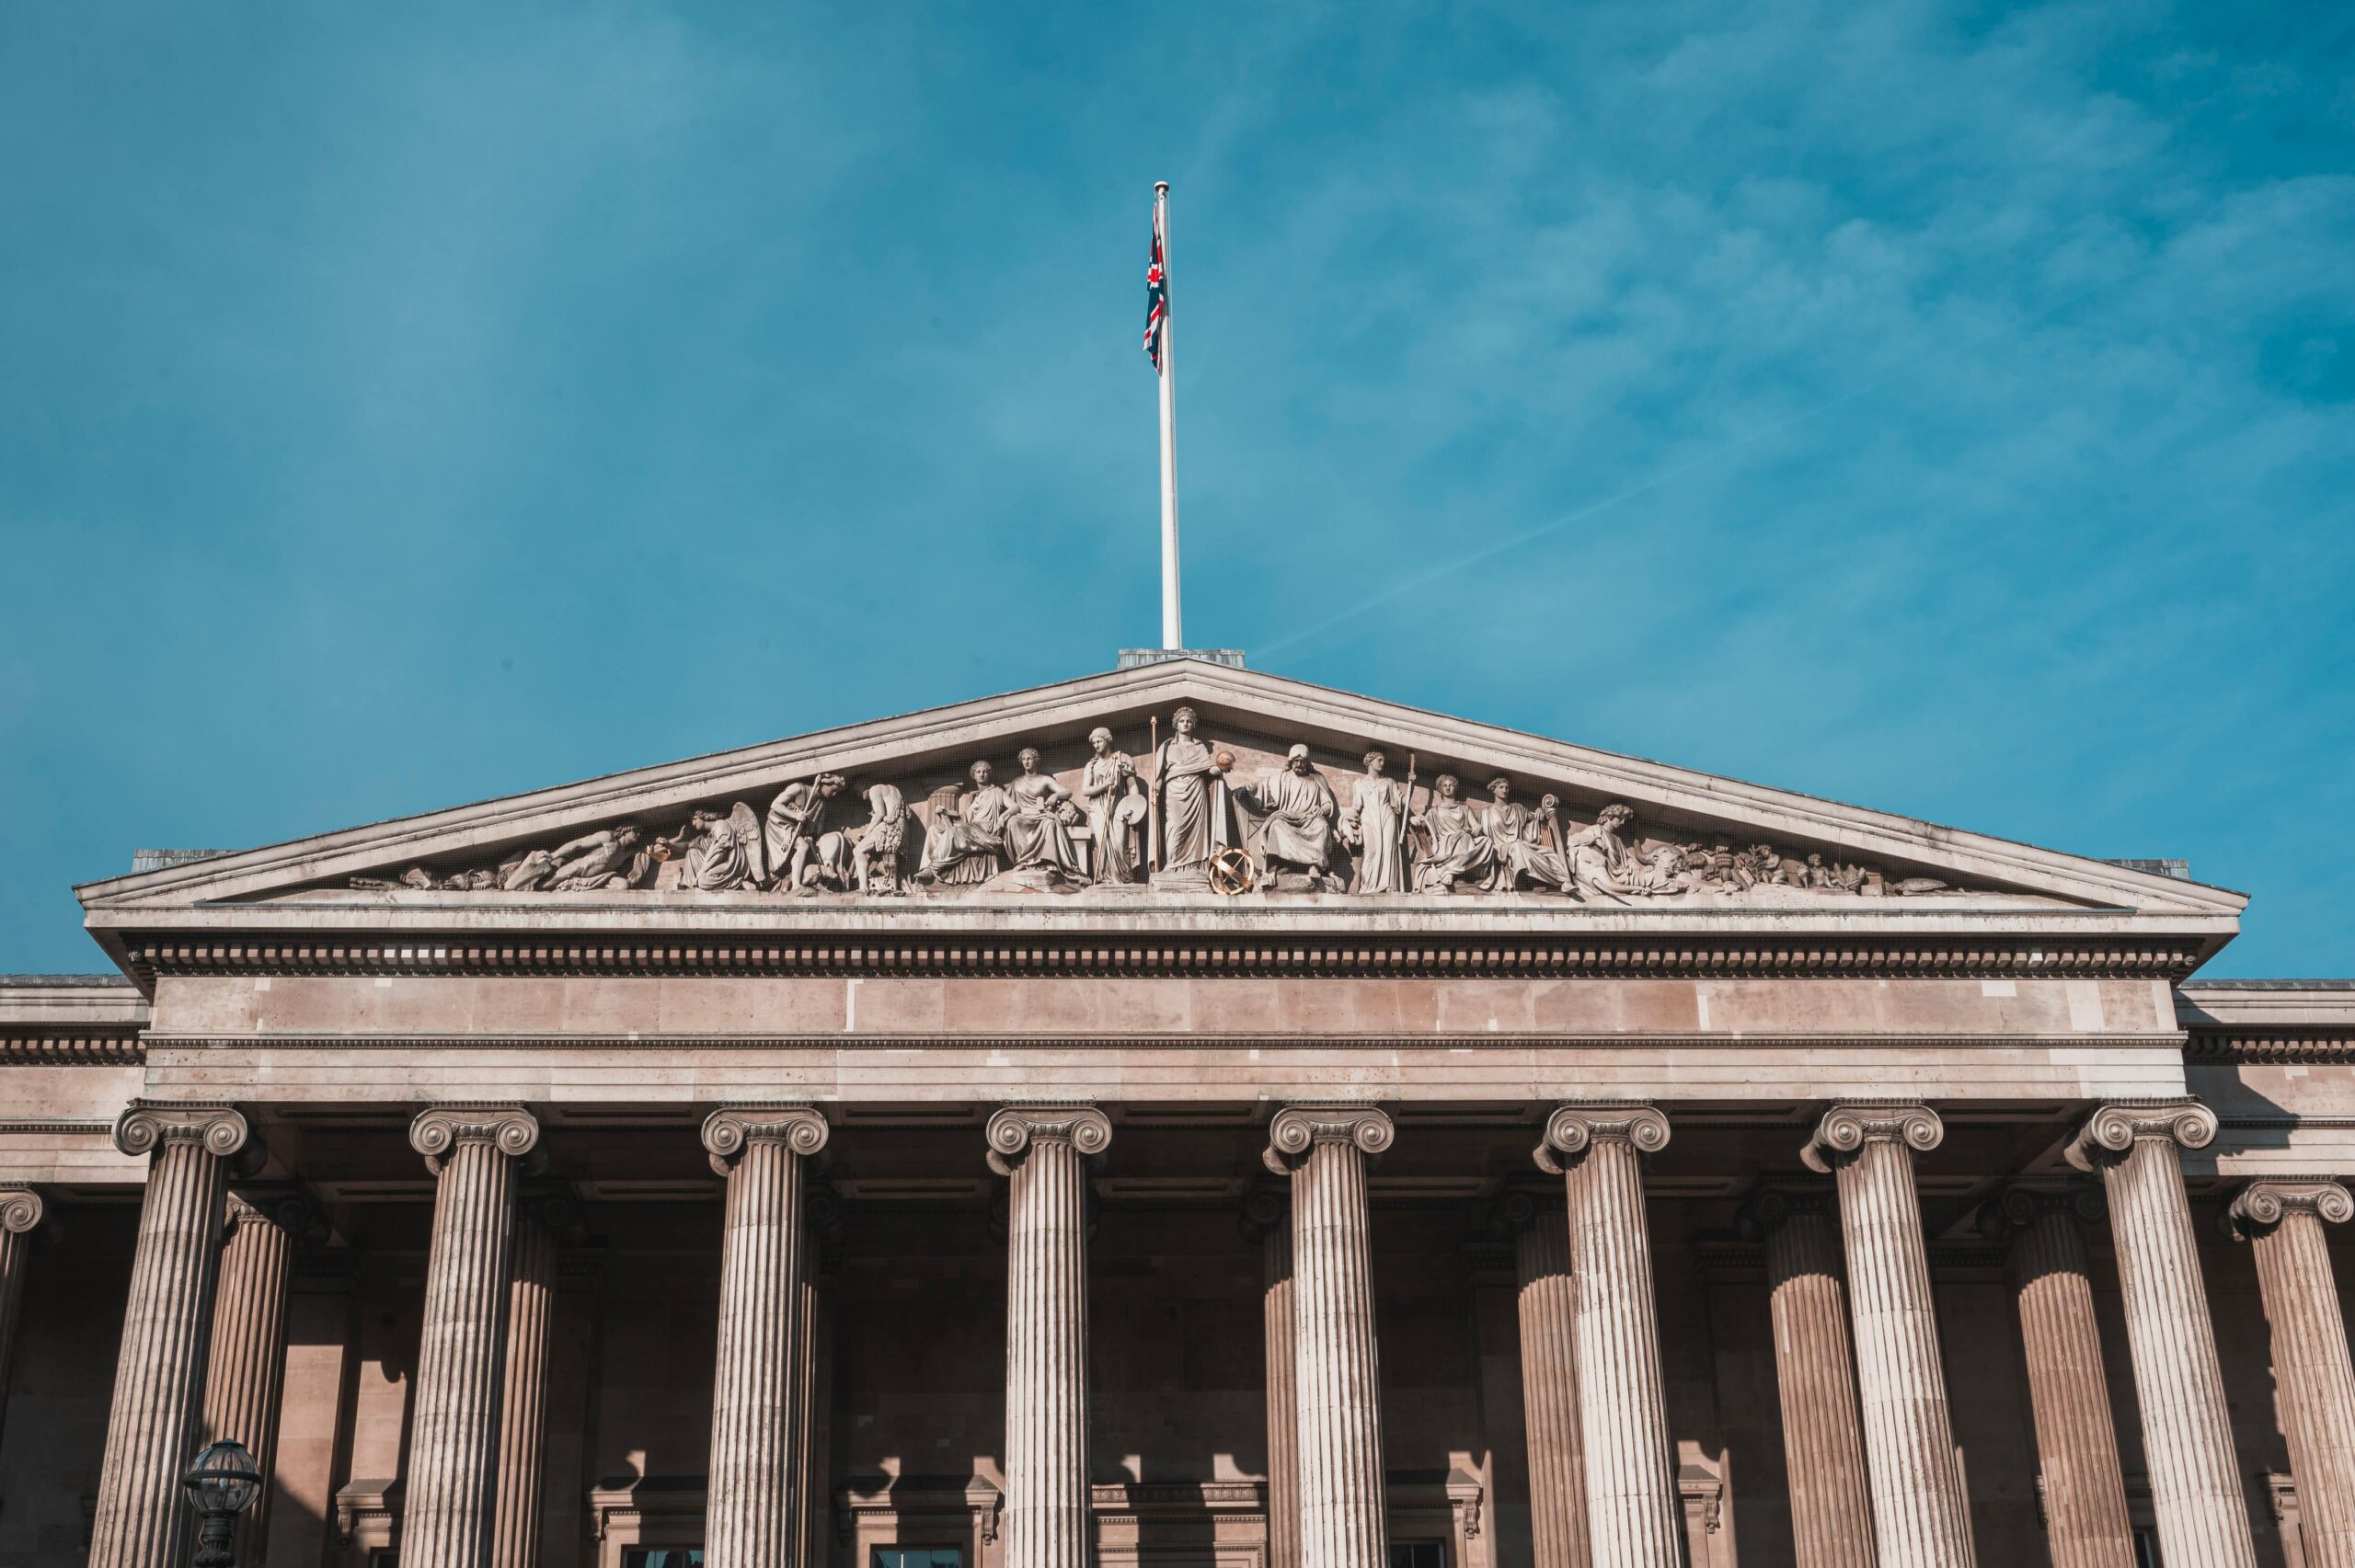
(1375, 825)
(1039, 822)
(1188, 801)
(1297, 810)
(718, 854)
(1460, 855)
(1115, 803)
(796, 824)
(876, 857)
(601, 859)
(965, 838)
(1517, 838)
(1603, 866)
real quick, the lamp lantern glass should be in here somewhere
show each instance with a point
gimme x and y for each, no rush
(222, 1482)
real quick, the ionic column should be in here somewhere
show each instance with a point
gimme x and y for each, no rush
(1824, 1438)
(247, 1366)
(2187, 1426)
(822, 1210)
(453, 1471)
(1267, 1219)
(141, 1521)
(1547, 1302)
(2076, 1443)
(20, 1211)
(524, 1394)
(1335, 1367)
(2314, 1380)
(1920, 1516)
(1631, 1509)
(757, 1388)
(1043, 1150)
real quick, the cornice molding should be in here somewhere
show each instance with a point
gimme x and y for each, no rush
(1013, 1130)
(146, 1126)
(1748, 954)
(2268, 1047)
(797, 1124)
(512, 1129)
(2111, 1132)
(1295, 1130)
(1577, 1125)
(1846, 1128)
(70, 1048)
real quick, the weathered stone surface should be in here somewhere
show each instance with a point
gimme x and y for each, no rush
(1548, 1304)
(1632, 1502)
(1043, 1150)
(2086, 1521)
(1337, 1375)
(2313, 1377)
(451, 1470)
(245, 1369)
(1921, 1518)
(2187, 1423)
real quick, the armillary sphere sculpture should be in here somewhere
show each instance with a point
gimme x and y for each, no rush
(1231, 873)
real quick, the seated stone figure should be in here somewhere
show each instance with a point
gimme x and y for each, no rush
(1300, 811)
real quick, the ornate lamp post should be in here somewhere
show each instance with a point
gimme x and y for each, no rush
(220, 1484)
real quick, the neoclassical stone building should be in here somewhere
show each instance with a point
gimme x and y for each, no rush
(1186, 1141)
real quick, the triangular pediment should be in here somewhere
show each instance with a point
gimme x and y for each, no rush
(714, 831)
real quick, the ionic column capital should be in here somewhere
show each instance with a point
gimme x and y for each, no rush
(1846, 1128)
(1768, 1209)
(2263, 1205)
(2111, 1133)
(20, 1209)
(1013, 1130)
(800, 1127)
(1296, 1129)
(1577, 1125)
(146, 1126)
(513, 1130)
(1521, 1207)
(2013, 1210)
(289, 1208)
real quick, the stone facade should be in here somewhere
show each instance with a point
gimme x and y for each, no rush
(1042, 1131)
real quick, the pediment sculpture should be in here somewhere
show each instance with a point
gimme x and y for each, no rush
(1188, 818)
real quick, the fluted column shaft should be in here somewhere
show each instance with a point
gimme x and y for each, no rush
(1823, 1439)
(20, 1211)
(1043, 1150)
(2186, 1426)
(1632, 1508)
(1268, 1217)
(453, 1471)
(247, 1366)
(756, 1430)
(1547, 1304)
(2086, 1523)
(1335, 1367)
(141, 1521)
(1920, 1516)
(2313, 1375)
(524, 1397)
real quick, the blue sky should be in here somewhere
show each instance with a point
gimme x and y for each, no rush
(1948, 409)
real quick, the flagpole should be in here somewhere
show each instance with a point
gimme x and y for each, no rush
(1171, 637)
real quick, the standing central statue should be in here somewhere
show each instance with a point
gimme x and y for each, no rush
(1189, 802)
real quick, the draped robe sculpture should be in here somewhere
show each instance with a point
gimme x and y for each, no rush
(1374, 824)
(1038, 824)
(1517, 835)
(1460, 850)
(1189, 796)
(1299, 810)
(1108, 789)
(967, 834)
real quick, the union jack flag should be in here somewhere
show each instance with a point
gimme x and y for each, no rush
(1156, 297)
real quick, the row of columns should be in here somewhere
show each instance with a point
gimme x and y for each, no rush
(1868, 1428)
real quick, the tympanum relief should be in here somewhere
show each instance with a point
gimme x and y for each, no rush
(1193, 816)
